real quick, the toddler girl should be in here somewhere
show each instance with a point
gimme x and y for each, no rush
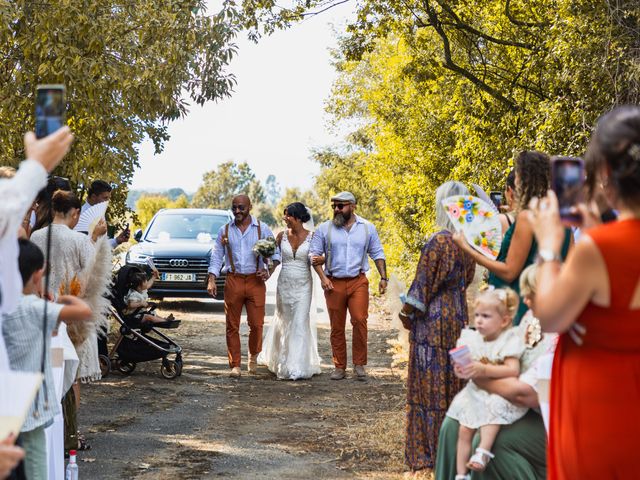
(495, 350)
(138, 298)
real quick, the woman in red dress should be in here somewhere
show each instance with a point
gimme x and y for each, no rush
(595, 384)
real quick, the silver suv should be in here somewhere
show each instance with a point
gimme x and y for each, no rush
(179, 241)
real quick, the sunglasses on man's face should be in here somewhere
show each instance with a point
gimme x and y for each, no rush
(239, 208)
(339, 206)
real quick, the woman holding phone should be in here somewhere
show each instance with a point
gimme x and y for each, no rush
(519, 248)
(595, 389)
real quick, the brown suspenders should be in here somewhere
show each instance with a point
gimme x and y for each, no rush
(230, 253)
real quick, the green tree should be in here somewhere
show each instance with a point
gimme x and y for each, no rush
(129, 68)
(442, 90)
(310, 199)
(230, 179)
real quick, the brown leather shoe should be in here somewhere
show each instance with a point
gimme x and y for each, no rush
(338, 374)
(361, 373)
(235, 372)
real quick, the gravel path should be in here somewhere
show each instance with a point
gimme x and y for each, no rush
(206, 425)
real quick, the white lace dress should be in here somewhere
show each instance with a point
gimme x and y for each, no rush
(290, 346)
(474, 407)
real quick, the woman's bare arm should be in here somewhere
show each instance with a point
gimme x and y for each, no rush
(564, 290)
(516, 391)
(521, 242)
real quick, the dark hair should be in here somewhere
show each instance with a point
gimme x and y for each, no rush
(616, 145)
(534, 170)
(298, 210)
(44, 214)
(63, 202)
(137, 278)
(30, 259)
(511, 179)
(98, 187)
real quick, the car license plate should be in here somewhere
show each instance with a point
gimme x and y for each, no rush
(178, 277)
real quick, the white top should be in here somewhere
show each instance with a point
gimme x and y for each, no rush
(134, 296)
(72, 254)
(16, 196)
(508, 344)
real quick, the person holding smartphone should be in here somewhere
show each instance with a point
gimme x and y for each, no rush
(594, 414)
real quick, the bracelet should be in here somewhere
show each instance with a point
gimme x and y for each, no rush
(385, 279)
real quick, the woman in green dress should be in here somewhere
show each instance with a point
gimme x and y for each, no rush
(520, 448)
(519, 248)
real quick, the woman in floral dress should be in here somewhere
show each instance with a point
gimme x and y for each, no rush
(435, 311)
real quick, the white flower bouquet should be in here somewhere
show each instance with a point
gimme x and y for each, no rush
(265, 247)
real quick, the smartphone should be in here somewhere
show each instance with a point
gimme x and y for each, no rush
(50, 108)
(567, 181)
(496, 198)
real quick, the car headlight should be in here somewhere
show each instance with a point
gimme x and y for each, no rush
(136, 257)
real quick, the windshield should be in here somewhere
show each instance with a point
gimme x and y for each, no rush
(200, 227)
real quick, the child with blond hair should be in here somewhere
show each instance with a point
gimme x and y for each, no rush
(495, 349)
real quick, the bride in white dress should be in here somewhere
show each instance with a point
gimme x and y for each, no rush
(290, 346)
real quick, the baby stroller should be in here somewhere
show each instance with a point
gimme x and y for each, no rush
(136, 342)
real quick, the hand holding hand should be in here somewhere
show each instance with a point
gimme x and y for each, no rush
(263, 275)
(50, 150)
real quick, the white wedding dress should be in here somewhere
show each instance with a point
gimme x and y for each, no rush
(290, 346)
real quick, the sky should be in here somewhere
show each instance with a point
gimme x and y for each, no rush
(272, 121)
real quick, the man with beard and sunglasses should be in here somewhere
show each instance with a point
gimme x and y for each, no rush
(346, 243)
(245, 282)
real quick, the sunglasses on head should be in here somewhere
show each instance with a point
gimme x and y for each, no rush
(237, 207)
(339, 206)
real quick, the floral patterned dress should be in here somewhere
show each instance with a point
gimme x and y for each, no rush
(438, 293)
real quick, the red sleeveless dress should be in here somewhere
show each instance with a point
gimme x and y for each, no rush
(595, 388)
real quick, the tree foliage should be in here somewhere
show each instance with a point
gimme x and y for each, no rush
(129, 68)
(444, 90)
(230, 179)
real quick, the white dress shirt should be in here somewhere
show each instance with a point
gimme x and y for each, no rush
(241, 247)
(16, 196)
(348, 255)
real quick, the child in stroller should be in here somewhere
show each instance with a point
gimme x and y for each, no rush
(138, 340)
(137, 301)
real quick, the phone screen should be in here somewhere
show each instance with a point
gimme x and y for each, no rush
(50, 106)
(496, 198)
(568, 183)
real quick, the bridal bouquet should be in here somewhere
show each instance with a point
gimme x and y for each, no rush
(265, 247)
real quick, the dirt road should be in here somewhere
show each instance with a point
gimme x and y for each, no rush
(206, 425)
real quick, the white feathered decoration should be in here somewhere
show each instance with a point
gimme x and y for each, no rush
(98, 283)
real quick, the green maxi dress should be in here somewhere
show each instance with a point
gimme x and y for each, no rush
(531, 258)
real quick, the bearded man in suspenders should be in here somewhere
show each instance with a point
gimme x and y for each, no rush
(245, 282)
(345, 244)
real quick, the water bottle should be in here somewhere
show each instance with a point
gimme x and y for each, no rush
(72, 467)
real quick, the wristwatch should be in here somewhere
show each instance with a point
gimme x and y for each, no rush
(547, 255)
(385, 279)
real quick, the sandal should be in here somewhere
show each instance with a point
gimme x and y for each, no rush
(463, 477)
(479, 460)
(82, 443)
